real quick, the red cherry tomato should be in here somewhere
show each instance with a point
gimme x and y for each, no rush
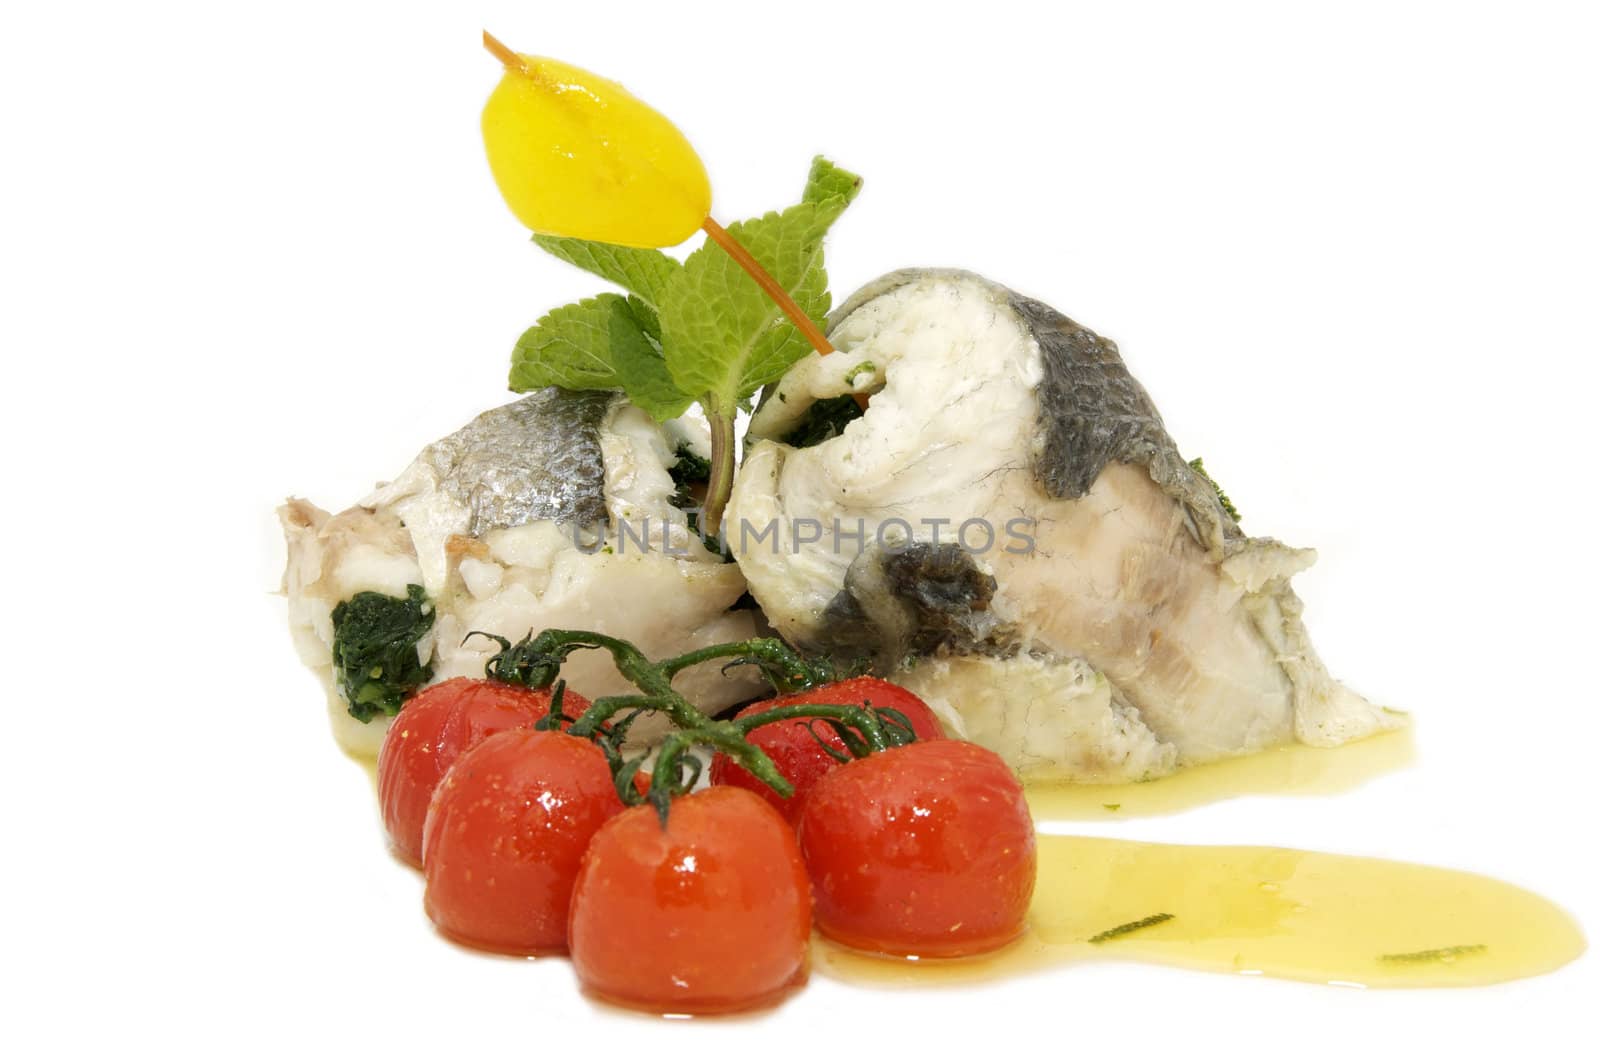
(435, 727)
(505, 834)
(796, 753)
(922, 850)
(712, 914)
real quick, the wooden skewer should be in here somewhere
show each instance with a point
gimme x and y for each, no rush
(506, 56)
(774, 290)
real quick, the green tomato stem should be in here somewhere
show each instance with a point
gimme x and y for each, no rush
(602, 709)
(538, 662)
(724, 737)
(852, 715)
(789, 671)
(555, 644)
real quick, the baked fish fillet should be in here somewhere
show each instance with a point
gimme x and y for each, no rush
(1091, 611)
(489, 522)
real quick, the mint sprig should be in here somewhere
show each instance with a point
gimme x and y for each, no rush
(700, 330)
(723, 337)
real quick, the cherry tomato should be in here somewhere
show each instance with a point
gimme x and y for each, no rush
(922, 850)
(711, 914)
(505, 834)
(435, 727)
(797, 754)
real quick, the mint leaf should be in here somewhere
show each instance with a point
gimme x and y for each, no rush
(723, 338)
(646, 314)
(572, 346)
(827, 181)
(610, 341)
(643, 271)
(641, 370)
(598, 343)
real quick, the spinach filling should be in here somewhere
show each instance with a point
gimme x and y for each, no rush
(375, 658)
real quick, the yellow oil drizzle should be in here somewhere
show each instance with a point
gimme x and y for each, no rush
(1283, 913)
(1293, 769)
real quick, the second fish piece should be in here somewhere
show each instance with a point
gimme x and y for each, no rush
(1091, 610)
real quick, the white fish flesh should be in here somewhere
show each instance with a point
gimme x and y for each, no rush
(1142, 631)
(489, 521)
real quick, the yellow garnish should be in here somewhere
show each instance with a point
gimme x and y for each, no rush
(578, 155)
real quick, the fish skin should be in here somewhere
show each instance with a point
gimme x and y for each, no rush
(1184, 640)
(1092, 412)
(923, 598)
(537, 458)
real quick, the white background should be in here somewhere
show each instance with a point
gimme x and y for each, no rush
(254, 251)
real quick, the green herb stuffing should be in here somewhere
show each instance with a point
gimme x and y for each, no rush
(825, 419)
(689, 475)
(689, 469)
(1444, 955)
(375, 659)
(1128, 928)
(1222, 496)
